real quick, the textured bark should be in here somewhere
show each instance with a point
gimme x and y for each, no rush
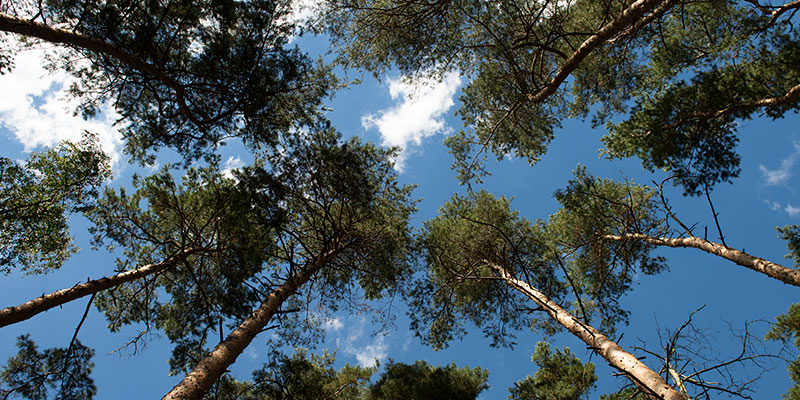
(627, 19)
(198, 382)
(28, 309)
(706, 115)
(771, 269)
(640, 374)
(9, 23)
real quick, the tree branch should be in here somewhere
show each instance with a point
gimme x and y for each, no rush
(9, 23)
(28, 309)
(771, 269)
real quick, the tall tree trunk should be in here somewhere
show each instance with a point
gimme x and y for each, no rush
(642, 376)
(12, 315)
(771, 269)
(198, 382)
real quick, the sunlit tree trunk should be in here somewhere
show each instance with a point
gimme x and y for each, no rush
(640, 374)
(199, 381)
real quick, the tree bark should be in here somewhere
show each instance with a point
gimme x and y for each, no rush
(12, 24)
(28, 309)
(627, 19)
(771, 269)
(640, 374)
(198, 382)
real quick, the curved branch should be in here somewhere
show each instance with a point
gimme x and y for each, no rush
(771, 269)
(28, 309)
(706, 115)
(10, 23)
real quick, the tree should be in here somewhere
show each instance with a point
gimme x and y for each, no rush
(485, 262)
(305, 376)
(37, 196)
(561, 376)
(327, 214)
(33, 374)
(422, 381)
(685, 71)
(183, 74)
(344, 226)
(301, 376)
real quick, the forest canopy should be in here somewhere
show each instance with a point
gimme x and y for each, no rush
(247, 217)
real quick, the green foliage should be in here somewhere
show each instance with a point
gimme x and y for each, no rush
(36, 197)
(306, 376)
(787, 325)
(566, 258)
(55, 373)
(629, 393)
(791, 234)
(224, 68)
(732, 58)
(509, 49)
(786, 328)
(317, 196)
(469, 232)
(674, 73)
(560, 376)
(301, 377)
(603, 270)
(420, 381)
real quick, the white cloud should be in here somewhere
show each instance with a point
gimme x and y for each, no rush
(418, 113)
(367, 349)
(793, 211)
(368, 356)
(37, 110)
(773, 205)
(782, 174)
(332, 324)
(304, 10)
(230, 164)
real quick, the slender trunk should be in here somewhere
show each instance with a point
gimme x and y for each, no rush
(198, 382)
(12, 315)
(771, 269)
(12, 24)
(627, 19)
(642, 376)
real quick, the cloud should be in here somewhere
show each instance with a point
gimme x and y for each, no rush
(36, 108)
(773, 205)
(792, 211)
(332, 324)
(230, 164)
(418, 112)
(368, 350)
(781, 175)
(368, 356)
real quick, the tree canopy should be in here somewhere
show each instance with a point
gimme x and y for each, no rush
(319, 223)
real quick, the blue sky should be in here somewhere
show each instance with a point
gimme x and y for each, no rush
(417, 116)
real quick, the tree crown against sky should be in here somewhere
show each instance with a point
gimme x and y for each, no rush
(683, 72)
(185, 75)
(321, 224)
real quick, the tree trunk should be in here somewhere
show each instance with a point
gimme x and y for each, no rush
(198, 382)
(771, 269)
(642, 376)
(12, 315)
(627, 19)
